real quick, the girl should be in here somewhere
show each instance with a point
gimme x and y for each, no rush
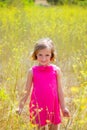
(47, 95)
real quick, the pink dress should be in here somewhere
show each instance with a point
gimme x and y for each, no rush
(44, 104)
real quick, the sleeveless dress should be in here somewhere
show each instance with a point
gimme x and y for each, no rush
(44, 104)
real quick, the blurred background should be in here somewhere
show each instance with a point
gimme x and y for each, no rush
(22, 23)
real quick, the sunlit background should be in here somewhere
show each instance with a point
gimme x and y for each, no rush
(22, 23)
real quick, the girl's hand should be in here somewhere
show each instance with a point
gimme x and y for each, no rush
(66, 112)
(18, 111)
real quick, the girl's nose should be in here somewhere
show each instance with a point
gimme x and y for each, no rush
(44, 58)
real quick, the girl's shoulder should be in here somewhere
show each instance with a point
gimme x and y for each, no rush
(34, 67)
(29, 73)
(30, 70)
(55, 67)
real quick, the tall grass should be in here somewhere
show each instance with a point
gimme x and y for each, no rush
(20, 28)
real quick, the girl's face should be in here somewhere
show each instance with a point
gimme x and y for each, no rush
(44, 56)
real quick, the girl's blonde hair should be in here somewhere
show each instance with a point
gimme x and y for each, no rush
(43, 44)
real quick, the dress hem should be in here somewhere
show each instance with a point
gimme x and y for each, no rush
(41, 125)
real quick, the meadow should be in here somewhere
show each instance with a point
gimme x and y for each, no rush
(20, 28)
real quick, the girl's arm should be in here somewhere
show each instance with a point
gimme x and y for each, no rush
(26, 92)
(65, 111)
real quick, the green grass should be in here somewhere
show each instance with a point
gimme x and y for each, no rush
(20, 28)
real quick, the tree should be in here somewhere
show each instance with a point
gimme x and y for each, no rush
(53, 1)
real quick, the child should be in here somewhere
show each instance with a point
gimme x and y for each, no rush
(47, 95)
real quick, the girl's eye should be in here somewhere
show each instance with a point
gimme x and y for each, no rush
(39, 54)
(47, 55)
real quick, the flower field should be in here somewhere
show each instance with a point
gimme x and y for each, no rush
(20, 28)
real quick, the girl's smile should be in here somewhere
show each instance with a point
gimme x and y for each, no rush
(44, 56)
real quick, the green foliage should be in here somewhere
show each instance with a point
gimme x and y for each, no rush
(17, 3)
(79, 2)
(21, 3)
(3, 95)
(53, 1)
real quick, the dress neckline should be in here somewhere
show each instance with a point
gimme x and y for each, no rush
(44, 68)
